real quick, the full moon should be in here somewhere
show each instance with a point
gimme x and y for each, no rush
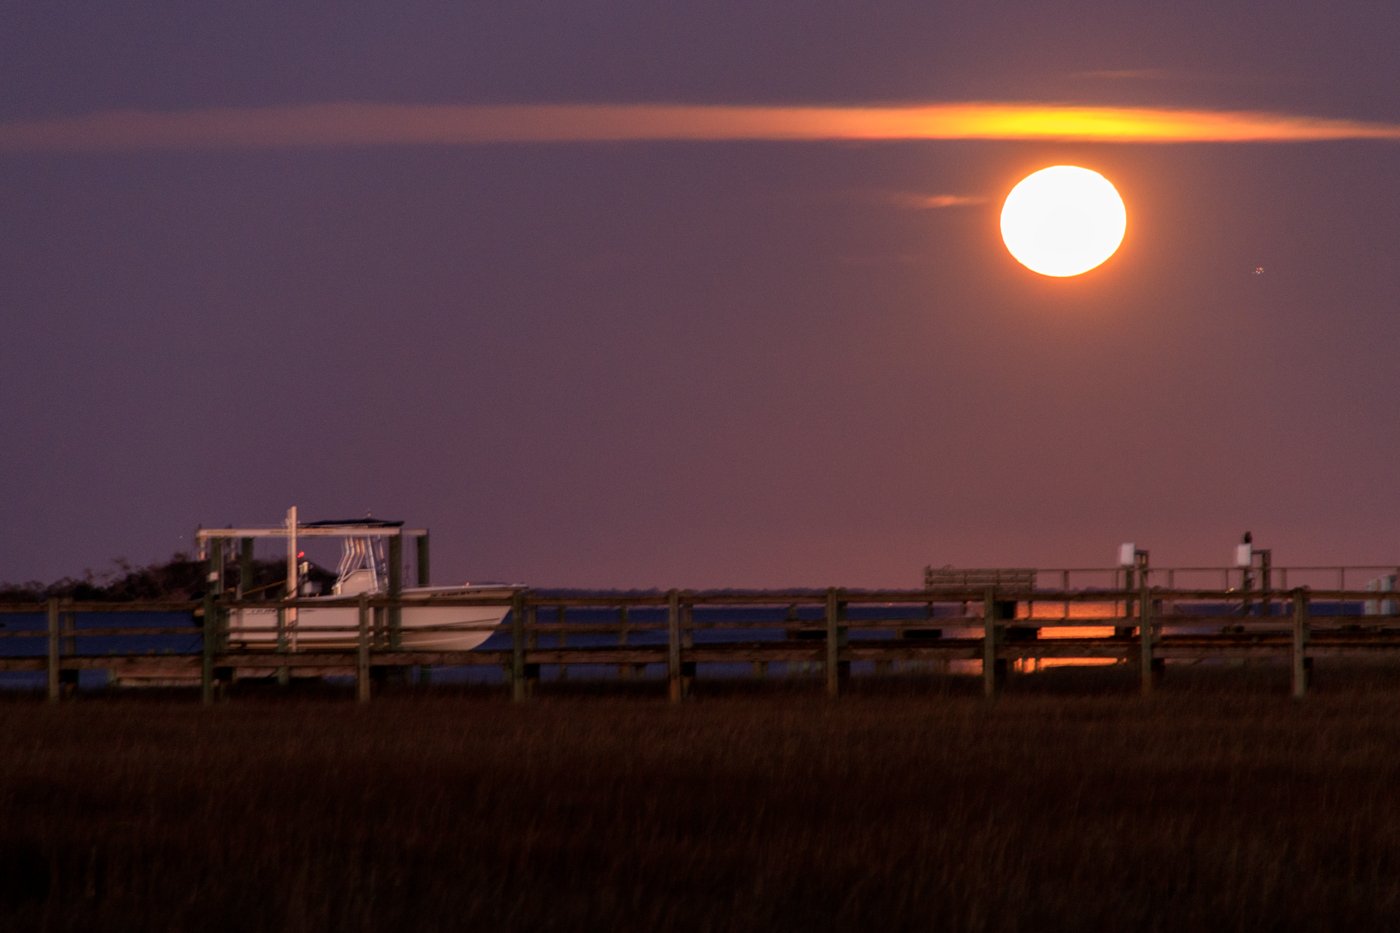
(1063, 220)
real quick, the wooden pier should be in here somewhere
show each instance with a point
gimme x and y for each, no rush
(674, 637)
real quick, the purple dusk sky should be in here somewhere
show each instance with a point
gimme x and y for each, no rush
(256, 255)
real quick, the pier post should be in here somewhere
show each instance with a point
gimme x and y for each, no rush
(395, 592)
(68, 632)
(213, 641)
(517, 644)
(1302, 664)
(209, 639)
(624, 671)
(675, 686)
(1128, 585)
(561, 638)
(362, 678)
(55, 682)
(687, 644)
(835, 640)
(532, 671)
(993, 666)
(245, 568)
(422, 561)
(214, 578)
(1152, 666)
(284, 674)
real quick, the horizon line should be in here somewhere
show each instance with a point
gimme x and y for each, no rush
(355, 124)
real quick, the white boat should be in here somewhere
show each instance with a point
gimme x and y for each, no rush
(445, 618)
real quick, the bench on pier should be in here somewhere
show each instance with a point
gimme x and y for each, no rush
(949, 580)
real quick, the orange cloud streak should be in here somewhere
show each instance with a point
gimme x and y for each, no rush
(361, 124)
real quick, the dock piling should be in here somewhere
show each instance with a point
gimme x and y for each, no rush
(362, 678)
(1152, 667)
(54, 680)
(835, 641)
(993, 665)
(209, 641)
(1302, 664)
(517, 641)
(675, 687)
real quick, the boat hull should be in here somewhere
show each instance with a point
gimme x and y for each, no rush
(422, 627)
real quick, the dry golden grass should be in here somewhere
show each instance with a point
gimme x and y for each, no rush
(1218, 803)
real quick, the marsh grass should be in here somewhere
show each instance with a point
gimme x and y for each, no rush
(1069, 803)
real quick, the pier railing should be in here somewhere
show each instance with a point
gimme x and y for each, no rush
(675, 636)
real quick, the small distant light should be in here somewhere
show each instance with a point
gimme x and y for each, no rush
(1258, 270)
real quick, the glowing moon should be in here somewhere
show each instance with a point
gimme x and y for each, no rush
(1063, 220)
